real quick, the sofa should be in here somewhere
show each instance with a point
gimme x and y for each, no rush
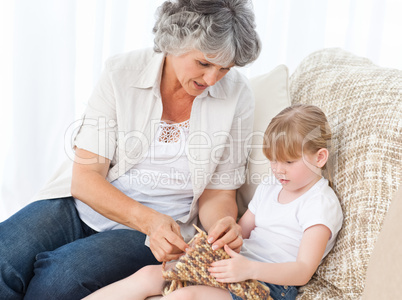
(363, 103)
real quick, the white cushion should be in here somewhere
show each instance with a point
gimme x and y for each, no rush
(271, 91)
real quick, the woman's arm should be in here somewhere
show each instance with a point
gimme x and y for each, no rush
(247, 223)
(311, 251)
(217, 213)
(89, 184)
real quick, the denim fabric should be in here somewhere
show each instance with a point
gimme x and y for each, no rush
(46, 252)
(277, 292)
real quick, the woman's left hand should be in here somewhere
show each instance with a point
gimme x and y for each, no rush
(225, 232)
(234, 269)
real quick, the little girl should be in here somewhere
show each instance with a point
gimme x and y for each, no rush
(290, 226)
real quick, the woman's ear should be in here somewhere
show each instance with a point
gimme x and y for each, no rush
(322, 157)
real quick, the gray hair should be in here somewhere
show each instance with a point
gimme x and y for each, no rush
(224, 30)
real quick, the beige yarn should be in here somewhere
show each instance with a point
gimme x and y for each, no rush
(192, 268)
(364, 105)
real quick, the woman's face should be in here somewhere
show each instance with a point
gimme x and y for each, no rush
(193, 72)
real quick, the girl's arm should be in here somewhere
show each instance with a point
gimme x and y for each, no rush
(311, 251)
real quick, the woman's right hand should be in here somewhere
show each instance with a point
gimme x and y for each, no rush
(166, 242)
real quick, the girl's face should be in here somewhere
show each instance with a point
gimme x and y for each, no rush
(193, 72)
(297, 175)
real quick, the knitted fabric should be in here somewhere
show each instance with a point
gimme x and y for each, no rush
(192, 268)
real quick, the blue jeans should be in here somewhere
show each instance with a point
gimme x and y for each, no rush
(277, 292)
(47, 252)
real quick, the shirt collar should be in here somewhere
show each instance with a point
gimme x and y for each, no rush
(216, 91)
(151, 74)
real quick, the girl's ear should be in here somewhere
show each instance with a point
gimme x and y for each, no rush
(322, 157)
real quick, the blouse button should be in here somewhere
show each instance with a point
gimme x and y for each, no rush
(283, 294)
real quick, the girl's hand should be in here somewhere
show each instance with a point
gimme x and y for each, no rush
(166, 242)
(235, 269)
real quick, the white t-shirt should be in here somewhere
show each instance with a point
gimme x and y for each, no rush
(279, 227)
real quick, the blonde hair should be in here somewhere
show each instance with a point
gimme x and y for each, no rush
(296, 130)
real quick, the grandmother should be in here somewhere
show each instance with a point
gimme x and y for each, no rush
(161, 146)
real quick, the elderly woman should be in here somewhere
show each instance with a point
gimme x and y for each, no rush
(161, 146)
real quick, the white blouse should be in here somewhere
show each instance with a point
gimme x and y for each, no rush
(124, 112)
(161, 181)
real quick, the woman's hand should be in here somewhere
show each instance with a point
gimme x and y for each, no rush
(225, 232)
(166, 242)
(217, 212)
(234, 269)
